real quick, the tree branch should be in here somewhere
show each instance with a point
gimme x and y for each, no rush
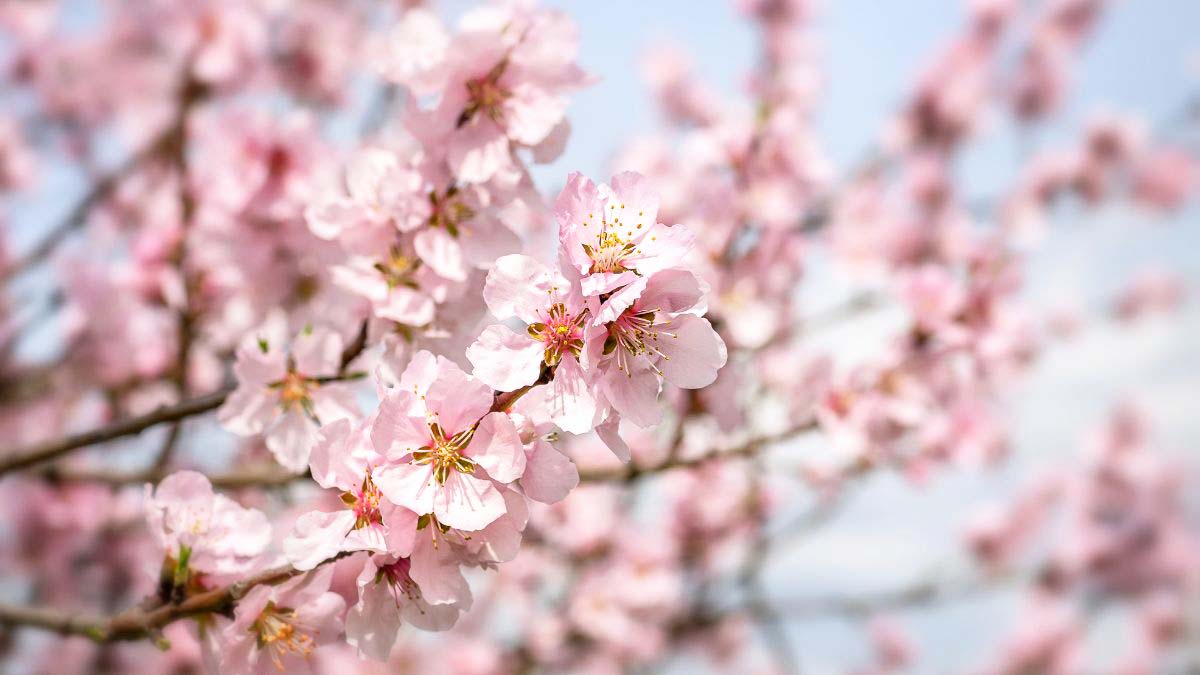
(140, 622)
(21, 458)
(632, 472)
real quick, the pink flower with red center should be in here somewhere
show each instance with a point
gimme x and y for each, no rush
(555, 316)
(343, 460)
(388, 597)
(444, 450)
(650, 331)
(503, 85)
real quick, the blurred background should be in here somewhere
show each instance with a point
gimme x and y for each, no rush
(1144, 60)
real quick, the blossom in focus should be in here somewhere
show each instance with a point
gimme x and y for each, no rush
(608, 236)
(444, 447)
(554, 315)
(650, 331)
(387, 598)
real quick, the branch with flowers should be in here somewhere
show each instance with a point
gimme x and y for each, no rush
(568, 426)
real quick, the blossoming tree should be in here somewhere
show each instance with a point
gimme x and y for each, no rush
(315, 376)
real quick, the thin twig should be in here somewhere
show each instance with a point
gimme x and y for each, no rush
(101, 190)
(632, 472)
(139, 622)
(45, 451)
(21, 458)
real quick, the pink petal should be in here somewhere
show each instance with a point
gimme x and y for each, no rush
(549, 475)
(408, 485)
(673, 291)
(694, 355)
(609, 432)
(516, 286)
(441, 252)
(467, 503)
(637, 194)
(396, 431)
(374, 622)
(456, 399)
(531, 113)
(316, 537)
(437, 574)
(478, 151)
(634, 395)
(248, 410)
(572, 398)
(497, 448)
(505, 360)
(291, 439)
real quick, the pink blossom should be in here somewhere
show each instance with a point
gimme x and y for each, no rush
(343, 459)
(281, 393)
(555, 316)
(608, 236)
(277, 627)
(388, 597)
(506, 76)
(649, 331)
(207, 532)
(443, 447)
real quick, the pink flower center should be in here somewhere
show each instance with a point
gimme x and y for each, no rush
(561, 332)
(634, 334)
(448, 211)
(279, 632)
(445, 453)
(613, 248)
(365, 503)
(295, 389)
(610, 253)
(486, 95)
(399, 579)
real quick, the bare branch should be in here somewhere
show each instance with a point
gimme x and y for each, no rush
(632, 472)
(140, 622)
(21, 458)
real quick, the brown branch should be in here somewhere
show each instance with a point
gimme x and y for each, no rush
(21, 458)
(924, 593)
(139, 622)
(632, 472)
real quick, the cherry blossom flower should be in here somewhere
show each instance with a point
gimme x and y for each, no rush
(506, 76)
(276, 628)
(610, 235)
(387, 598)
(204, 531)
(555, 316)
(343, 460)
(443, 447)
(283, 393)
(650, 331)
